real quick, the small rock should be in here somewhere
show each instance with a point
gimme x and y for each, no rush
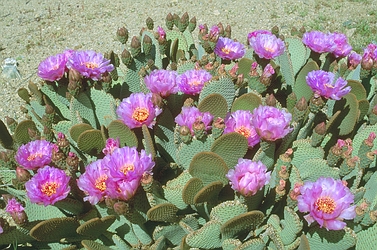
(9, 69)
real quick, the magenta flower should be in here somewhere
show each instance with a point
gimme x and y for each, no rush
(369, 58)
(267, 46)
(268, 71)
(342, 48)
(353, 60)
(252, 35)
(52, 68)
(161, 32)
(34, 154)
(162, 82)
(89, 64)
(16, 211)
(111, 145)
(94, 181)
(127, 164)
(324, 84)
(48, 186)
(319, 41)
(190, 115)
(137, 110)
(240, 122)
(123, 189)
(192, 81)
(328, 202)
(228, 49)
(271, 123)
(248, 177)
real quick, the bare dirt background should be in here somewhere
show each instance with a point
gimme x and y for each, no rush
(31, 30)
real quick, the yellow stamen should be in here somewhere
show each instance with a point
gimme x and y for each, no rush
(90, 65)
(100, 183)
(226, 50)
(126, 168)
(325, 204)
(49, 188)
(243, 131)
(140, 114)
(32, 157)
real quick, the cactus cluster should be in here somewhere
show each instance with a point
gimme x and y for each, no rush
(188, 202)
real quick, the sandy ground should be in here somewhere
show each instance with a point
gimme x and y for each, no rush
(31, 30)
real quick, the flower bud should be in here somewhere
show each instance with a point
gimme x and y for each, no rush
(149, 23)
(122, 35)
(183, 22)
(228, 31)
(192, 24)
(147, 44)
(169, 21)
(135, 46)
(271, 100)
(320, 128)
(121, 207)
(126, 57)
(22, 175)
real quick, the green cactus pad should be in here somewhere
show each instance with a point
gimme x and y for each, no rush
(96, 226)
(71, 206)
(227, 210)
(172, 233)
(286, 68)
(104, 105)
(6, 139)
(148, 142)
(185, 66)
(244, 66)
(361, 135)
(91, 141)
(312, 169)
(77, 129)
(21, 135)
(16, 235)
(349, 113)
(163, 212)
(231, 244)
(92, 245)
(224, 86)
(254, 244)
(303, 150)
(230, 147)
(209, 167)
(82, 106)
(244, 222)
(357, 89)
(119, 242)
(207, 237)
(191, 188)
(58, 101)
(175, 35)
(215, 104)
(55, 229)
(298, 52)
(365, 240)
(363, 108)
(187, 151)
(292, 226)
(301, 88)
(164, 131)
(117, 129)
(173, 189)
(320, 238)
(24, 94)
(248, 101)
(208, 193)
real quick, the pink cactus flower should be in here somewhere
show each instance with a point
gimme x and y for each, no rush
(192, 81)
(342, 48)
(137, 110)
(252, 35)
(319, 42)
(240, 122)
(162, 82)
(34, 154)
(248, 177)
(324, 205)
(324, 84)
(271, 123)
(111, 145)
(52, 68)
(229, 49)
(123, 189)
(89, 64)
(48, 186)
(190, 115)
(267, 46)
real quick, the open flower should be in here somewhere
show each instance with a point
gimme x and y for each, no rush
(34, 154)
(252, 35)
(192, 81)
(127, 164)
(319, 42)
(248, 177)
(267, 46)
(342, 48)
(94, 182)
(162, 82)
(190, 115)
(89, 64)
(328, 202)
(137, 110)
(240, 122)
(16, 210)
(52, 68)
(271, 123)
(324, 84)
(228, 49)
(47, 186)
(123, 189)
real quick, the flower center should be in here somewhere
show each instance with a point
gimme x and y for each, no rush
(32, 157)
(243, 131)
(49, 188)
(226, 50)
(269, 49)
(126, 168)
(195, 83)
(325, 204)
(140, 114)
(90, 65)
(100, 183)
